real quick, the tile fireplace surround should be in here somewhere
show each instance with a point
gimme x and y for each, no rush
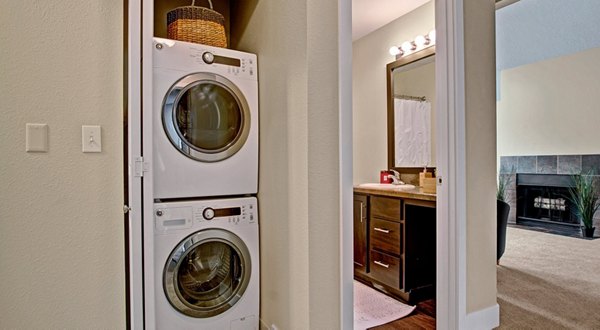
(547, 164)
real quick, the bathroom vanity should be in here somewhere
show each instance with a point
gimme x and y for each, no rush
(394, 240)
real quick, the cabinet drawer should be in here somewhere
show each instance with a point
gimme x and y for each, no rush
(385, 207)
(385, 236)
(385, 269)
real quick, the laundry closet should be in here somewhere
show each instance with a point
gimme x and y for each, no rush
(194, 116)
(199, 169)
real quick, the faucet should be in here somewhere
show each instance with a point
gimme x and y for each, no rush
(395, 177)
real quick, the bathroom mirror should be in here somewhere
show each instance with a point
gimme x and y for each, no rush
(410, 113)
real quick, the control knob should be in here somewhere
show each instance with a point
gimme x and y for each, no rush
(208, 213)
(208, 57)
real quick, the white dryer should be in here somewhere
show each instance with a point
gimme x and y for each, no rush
(207, 264)
(205, 120)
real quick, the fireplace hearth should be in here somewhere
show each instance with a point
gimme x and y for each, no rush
(543, 202)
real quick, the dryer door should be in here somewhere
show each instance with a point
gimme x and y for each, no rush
(207, 273)
(206, 117)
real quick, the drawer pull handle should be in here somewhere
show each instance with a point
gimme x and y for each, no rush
(381, 264)
(361, 213)
(381, 230)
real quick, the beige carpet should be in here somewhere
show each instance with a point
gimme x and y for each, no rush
(373, 308)
(548, 281)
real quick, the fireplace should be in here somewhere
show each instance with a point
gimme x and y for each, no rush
(543, 202)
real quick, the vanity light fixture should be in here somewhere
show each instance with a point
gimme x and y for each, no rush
(407, 47)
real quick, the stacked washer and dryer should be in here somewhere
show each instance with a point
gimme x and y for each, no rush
(206, 238)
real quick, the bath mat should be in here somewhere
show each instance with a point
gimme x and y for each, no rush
(373, 308)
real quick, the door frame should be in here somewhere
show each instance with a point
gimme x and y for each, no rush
(451, 171)
(140, 274)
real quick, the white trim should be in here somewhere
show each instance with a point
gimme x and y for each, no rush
(443, 275)
(148, 193)
(451, 194)
(345, 163)
(136, 274)
(460, 161)
(487, 318)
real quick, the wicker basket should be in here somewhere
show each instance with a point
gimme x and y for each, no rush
(197, 24)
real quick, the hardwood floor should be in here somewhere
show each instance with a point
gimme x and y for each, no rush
(422, 318)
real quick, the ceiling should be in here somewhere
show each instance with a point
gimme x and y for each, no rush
(370, 15)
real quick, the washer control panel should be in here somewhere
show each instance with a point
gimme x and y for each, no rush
(182, 215)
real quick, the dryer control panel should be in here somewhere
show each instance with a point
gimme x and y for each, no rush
(186, 55)
(205, 213)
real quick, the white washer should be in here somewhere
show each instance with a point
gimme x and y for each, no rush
(205, 120)
(207, 264)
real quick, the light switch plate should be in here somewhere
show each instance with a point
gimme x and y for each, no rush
(91, 138)
(36, 137)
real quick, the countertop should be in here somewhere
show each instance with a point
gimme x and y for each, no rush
(391, 191)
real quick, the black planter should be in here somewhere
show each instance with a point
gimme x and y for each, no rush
(502, 210)
(587, 232)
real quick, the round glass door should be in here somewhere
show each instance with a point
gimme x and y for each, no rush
(207, 273)
(206, 117)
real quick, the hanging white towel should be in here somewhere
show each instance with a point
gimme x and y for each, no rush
(412, 127)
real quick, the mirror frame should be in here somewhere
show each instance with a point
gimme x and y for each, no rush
(427, 52)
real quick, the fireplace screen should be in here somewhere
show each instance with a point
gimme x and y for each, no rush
(544, 198)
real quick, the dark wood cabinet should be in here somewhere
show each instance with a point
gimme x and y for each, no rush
(385, 236)
(401, 244)
(360, 233)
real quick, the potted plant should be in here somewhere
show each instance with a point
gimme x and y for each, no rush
(502, 210)
(585, 199)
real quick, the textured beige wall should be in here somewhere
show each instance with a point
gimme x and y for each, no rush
(480, 116)
(551, 107)
(299, 179)
(61, 229)
(369, 98)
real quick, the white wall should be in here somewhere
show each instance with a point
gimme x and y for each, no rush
(370, 57)
(299, 185)
(61, 230)
(551, 107)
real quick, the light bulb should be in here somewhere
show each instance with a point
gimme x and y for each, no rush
(394, 50)
(432, 36)
(420, 41)
(407, 46)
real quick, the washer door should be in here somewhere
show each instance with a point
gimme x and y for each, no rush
(207, 273)
(206, 117)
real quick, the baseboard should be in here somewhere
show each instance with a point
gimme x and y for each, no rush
(487, 318)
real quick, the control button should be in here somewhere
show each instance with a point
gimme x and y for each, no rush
(208, 57)
(159, 212)
(208, 213)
